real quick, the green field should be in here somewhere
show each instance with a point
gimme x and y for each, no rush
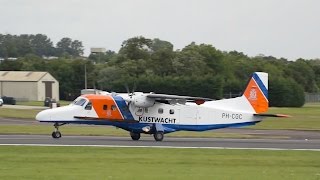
(39, 103)
(19, 113)
(19, 162)
(305, 118)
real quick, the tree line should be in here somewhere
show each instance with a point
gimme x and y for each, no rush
(13, 46)
(152, 65)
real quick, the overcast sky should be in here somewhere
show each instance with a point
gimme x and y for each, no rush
(280, 28)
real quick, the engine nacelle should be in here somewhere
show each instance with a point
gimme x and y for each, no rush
(141, 100)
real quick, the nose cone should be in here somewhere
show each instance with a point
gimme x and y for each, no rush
(65, 113)
(43, 116)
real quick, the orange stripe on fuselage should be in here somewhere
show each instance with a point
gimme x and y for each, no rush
(256, 97)
(98, 102)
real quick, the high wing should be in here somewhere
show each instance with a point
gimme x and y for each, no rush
(172, 97)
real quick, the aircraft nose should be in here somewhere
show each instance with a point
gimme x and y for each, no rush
(43, 116)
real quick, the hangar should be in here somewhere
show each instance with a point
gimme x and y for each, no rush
(28, 85)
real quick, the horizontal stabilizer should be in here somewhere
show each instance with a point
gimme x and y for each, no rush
(273, 115)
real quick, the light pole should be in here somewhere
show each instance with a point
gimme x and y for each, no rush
(85, 76)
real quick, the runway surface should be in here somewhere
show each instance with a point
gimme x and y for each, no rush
(168, 142)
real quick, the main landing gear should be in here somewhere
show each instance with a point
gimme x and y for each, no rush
(135, 136)
(158, 136)
(56, 133)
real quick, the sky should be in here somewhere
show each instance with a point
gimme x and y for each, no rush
(279, 28)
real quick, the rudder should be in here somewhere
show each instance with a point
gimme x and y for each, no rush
(256, 92)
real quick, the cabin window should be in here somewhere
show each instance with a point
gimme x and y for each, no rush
(113, 107)
(171, 111)
(88, 106)
(160, 110)
(80, 102)
(146, 110)
(105, 107)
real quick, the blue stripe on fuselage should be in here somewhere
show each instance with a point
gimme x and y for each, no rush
(124, 109)
(168, 128)
(261, 85)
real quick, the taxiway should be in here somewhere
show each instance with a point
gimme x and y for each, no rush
(168, 142)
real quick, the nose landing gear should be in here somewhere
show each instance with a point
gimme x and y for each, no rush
(56, 133)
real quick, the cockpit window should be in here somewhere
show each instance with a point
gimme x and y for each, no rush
(88, 106)
(79, 102)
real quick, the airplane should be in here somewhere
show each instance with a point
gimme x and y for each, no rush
(159, 114)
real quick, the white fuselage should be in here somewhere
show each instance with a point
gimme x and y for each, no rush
(209, 113)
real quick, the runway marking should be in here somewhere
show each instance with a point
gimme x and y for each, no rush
(168, 147)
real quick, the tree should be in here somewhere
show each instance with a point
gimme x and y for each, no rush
(77, 48)
(136, 48)
(41, 45)
(32, 62)
(103, 57)
(22, 45)
(67, 46)
(303, 74)
(8, 65)
(161, 57)
(284, 92)
(211, 56)
(8, 46)
(190, 62)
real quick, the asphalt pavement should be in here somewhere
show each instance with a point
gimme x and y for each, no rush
(168, 142)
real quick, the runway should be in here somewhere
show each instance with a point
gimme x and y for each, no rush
(169, 142)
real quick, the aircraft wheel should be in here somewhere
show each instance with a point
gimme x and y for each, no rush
(135, 136)
(56, 134)
(158, 136)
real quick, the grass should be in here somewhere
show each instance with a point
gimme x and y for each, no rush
(40, 103)
(18, 113)
(305, 118)
(20, 162)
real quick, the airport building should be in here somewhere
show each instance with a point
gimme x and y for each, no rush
(98, 50)
(28, 85)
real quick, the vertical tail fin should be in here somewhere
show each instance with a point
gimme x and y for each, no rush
(256, 92)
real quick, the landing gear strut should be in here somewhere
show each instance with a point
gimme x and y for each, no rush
(135, 136)
(56, 133)
(158, 136)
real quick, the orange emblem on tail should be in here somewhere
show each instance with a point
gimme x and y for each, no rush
(256, 97)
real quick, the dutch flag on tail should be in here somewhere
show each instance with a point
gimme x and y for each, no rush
(256, 93)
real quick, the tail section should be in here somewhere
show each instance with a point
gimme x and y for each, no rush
(256, 92)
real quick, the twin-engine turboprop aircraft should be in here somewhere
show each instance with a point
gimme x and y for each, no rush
(159, 114)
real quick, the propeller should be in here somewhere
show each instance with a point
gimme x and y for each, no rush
(130, 93)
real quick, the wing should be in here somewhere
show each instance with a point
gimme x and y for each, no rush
(167, 97)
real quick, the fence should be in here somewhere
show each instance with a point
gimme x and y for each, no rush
(312, 97)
